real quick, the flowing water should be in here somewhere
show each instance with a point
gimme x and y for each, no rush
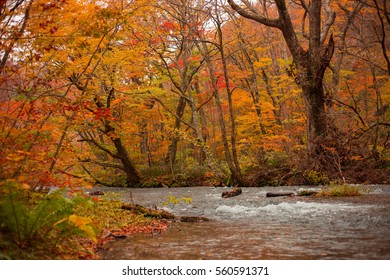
(253, 226)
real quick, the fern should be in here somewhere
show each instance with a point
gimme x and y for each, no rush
(25, 224)
(48, 211)
(15, 213)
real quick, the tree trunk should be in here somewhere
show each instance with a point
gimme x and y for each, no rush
(313, 92)
(235, 174)
(144, 141)
(316, 117)
(132, 176)
(172, 149)
(200, 141)
(203, 121)
(229, 94)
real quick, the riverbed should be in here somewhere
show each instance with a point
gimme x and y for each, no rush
(253, 226)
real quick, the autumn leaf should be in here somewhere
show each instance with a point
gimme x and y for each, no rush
(82, 223)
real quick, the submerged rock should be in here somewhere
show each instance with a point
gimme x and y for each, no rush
(195, 219)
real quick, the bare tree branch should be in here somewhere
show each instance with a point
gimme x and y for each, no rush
(97, 181)
(330, 18)
(251, 13)
(98, 145)
(104, 164)
(172, 113)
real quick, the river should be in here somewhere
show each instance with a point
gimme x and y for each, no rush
(253, 226)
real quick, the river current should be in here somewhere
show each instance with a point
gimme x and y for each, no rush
(253, 226)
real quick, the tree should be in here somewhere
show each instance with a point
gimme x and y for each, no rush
(310, 62)
(101, 88)
(179, 62)
(208, 50)
(218, 21)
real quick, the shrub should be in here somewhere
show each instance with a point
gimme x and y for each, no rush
(316, 178)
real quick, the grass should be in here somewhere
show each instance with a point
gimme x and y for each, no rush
(342, 191)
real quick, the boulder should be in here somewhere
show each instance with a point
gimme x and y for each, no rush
(96, 193)
(234, 192)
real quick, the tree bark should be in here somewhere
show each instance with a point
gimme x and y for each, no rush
(132, 176)
(144, 141)
(229, 94)
(172, 149)
(316, 117)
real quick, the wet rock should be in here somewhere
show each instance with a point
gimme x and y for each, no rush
(234, 192)
(195, 219)
(276, 194)
(307, 193)
(147, 212)
(110, 234)
(96, 193)
(220, 185)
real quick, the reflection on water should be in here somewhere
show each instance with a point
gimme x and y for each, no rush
(252, 226)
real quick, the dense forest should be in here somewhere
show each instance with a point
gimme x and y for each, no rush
(182, 92)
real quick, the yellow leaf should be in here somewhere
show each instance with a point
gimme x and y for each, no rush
(89, 231)
(78, 220)
(26, 186)
(15, 158)
(82, 223)
(61, 221)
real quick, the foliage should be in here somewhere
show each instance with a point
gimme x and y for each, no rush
(82, 223)
(182, 175)
(173, 200)
(107, 213)
(316, 178)
(25, 223)
(110, 103)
